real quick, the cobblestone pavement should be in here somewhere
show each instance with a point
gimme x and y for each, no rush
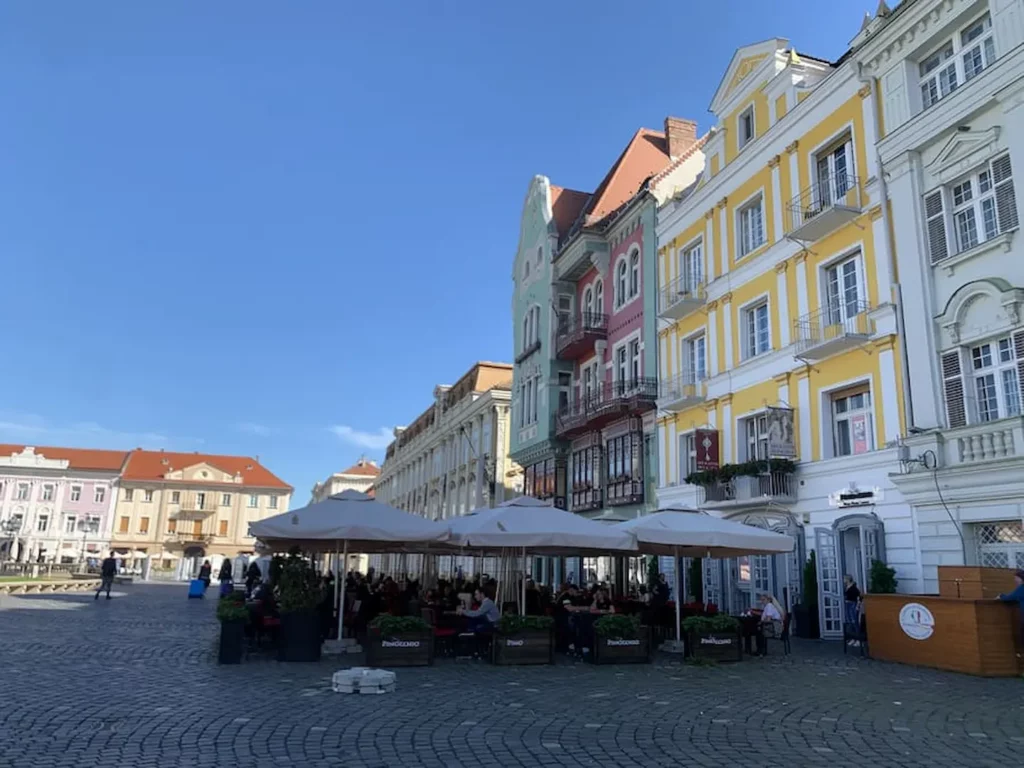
(134, 682)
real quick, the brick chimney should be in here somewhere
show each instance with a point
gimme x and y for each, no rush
(681, 135)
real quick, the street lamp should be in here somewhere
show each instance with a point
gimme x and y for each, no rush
(87, 526)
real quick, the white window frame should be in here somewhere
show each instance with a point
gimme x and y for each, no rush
(99, 494)
(599, 296)
(865, 409)
(751, 232)
(833, 181)
(744, 121)
(1001, 360)
(76, 493)
(225, 499)
(42, 523)
(70, 524)
(129, 494)
(949, 59)
(48, 492)
(587, 308)
(175, 497)
(201, 499)
(691, 266)
(272, 503)
(147, 496)
(636, 365)
(634, 273)
(621, 282)
(750, 345)
(687, 454)
(254, 501)
(839, 307)
(620, 363)
(695, 366)
(753, 432)
(22, 492)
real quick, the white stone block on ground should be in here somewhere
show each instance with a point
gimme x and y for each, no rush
(363, 680)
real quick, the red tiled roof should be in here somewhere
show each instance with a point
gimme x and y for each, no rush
(566, 205)
(150, 465)
(77, 458)
(362, 467)
(645, 155)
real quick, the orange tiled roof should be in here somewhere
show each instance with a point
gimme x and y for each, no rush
(362, 467)
(77, 458)
(149, 465)
(566, 205)
(645, 155)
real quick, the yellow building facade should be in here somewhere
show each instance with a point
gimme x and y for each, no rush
(781, 397)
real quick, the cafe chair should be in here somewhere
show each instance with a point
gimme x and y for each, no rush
(444, 637)
(783, 636)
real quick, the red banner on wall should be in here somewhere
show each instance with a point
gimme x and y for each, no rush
(707, 449)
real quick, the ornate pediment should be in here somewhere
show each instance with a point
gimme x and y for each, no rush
(738, 79)
(981, 308)
(964, 151)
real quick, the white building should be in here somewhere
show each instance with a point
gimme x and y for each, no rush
(951, 80)
(359, 477)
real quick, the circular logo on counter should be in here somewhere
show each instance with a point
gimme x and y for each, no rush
(916, 621)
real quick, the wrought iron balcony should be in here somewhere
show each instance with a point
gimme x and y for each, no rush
(189, 537)
(681, 297)
(576, 335)
(611, 401)
(572, 420)
(682, 392)
(530, 349)
(835, 329)
(833, 201)
(198, 505)
(744, 490)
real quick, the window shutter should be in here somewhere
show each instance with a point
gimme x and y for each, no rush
(1006, 200)
(953, 385)
(935, 221)
(1018, 352)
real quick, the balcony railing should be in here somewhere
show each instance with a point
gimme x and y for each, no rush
(586, 499)
(529, 350)
(576, 335)
(612, 400)
(833, 329)
(188, 537)
(198, 505)
(625, 492)
(680, 297)
(744, 490)
(682, 392)
(833, 201)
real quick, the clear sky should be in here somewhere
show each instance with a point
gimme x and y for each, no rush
(271, 228)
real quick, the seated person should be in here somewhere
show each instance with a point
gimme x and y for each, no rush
(601, 603)
(484, 618)
(771, 622)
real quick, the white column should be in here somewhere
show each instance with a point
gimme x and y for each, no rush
(728, 363)
(723, 223)
(709, 245)
(883, 283)
(663, 478)
(794, 173)
(782, 291)
(673, 459)
(889, 395)
(725, 433)
(777, 196)
(784, 394)
(801, 286)
(663, 358)
(712, 345)
(870, 136)
(677, 363)
(803, 394)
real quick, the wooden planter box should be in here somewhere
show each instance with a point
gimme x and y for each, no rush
(972, 582)
(525, 647)
(614, 650)
(407, 649)
(300, 637)
(716, 646)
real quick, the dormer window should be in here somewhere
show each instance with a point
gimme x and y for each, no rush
(746, 126)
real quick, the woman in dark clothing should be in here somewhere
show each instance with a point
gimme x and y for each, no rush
(205, 572)
(253, 576)
(226, 574)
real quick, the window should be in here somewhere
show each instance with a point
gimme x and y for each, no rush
(18, 521)
(222, 527)
(691, 268)
(756, 339)
(69, 524)
(42, 523)
(564, 386)
(22, 492)
(76, 492)
(634, 274)
(957, 61)
(852, 422)
(143, 525)
(526, 271)
(687, 454)
(539, 480)
(588, 306)
(253, 501)
(996, 381)
(531, 328)
(225, 500)
(175, 497)
(755, 429)
(536, 393)
(981, 206)
(99, 494)
(129, 494)
(834, 173)
(843, 291)
(122, 524)
(624, 457)
(273, 502)
(48, 492)
(587, 390)
(621, 276)
(200, 500)
(621, 364)
(147, 496)
(634, 361)
(695, 359)
(172, 525)
(599, 297)
(540, 255)
(751, 226)
(586, 484)
(745, 123)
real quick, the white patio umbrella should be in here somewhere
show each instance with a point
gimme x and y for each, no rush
(528, 524)
(678, 531)
(348, 519)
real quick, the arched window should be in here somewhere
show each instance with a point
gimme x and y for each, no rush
(526, 329)
(620, 284)
(526, 271)
(599, 297)
(634, 274)
(540, 255)
(588, 306)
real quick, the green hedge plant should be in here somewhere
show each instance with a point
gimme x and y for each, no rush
(232, 607)
(706, 625)
(387, 624)
(727, 472)
(298, 587)
(617, 626)
(510, 623)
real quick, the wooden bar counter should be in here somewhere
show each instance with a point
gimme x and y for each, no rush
(976, 636)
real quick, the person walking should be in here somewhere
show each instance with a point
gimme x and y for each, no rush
(226, 577)
(205, 571)
(107, 572)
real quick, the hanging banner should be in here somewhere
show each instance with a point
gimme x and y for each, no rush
(781, 440)
(707, 449)
(859, 427)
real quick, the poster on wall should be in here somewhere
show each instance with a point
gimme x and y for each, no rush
(781, 441)
(707, 449)
(859, 428)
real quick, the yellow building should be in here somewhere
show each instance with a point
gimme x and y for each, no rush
(780, 367)
(178, 509)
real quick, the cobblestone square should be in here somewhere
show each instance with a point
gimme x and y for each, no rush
(134, 682)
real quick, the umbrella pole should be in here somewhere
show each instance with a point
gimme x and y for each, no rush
(679, 599)
(522, 605)
(341, 575)
(337, 585)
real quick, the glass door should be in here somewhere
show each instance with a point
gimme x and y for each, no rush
(830, 589)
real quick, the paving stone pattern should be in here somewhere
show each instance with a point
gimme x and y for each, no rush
(134, 682)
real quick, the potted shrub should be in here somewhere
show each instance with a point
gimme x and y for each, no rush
(399, 641)
(621, 639)
(714, 638)
(882, 579)
(524, 640)
(806, 611)
(298, 594)
(233, 616)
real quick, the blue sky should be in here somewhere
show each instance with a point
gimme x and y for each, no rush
(271, 228)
